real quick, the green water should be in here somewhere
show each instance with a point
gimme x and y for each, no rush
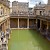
(27, 40)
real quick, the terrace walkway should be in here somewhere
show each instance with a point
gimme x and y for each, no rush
(27, 40)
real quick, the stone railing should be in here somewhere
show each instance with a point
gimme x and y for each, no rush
(22, 15)
(43, 16)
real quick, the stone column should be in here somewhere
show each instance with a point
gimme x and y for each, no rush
(28, 23)
(3, 27)
(18, 22)
(40, 25)
(36, 24)
(47, 28)
(8, 23)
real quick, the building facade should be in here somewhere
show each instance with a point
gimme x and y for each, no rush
(39, 9)
(49, 2)
(4, 23)
(43, 19)
(23, 17)
(19, 7)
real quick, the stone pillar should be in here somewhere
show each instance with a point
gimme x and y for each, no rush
(36, 24)
(3, 27)
(6, 24)
(9, 23)
(18, 22)
(40, 25)
(28, 23)
(47, 28)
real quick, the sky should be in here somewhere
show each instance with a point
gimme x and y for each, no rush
(32, 2)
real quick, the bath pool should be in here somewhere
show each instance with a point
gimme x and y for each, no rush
(27, 40)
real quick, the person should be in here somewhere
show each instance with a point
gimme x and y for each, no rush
(2, 36)
(7, 34)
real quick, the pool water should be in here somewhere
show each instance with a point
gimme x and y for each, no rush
(27, 40)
